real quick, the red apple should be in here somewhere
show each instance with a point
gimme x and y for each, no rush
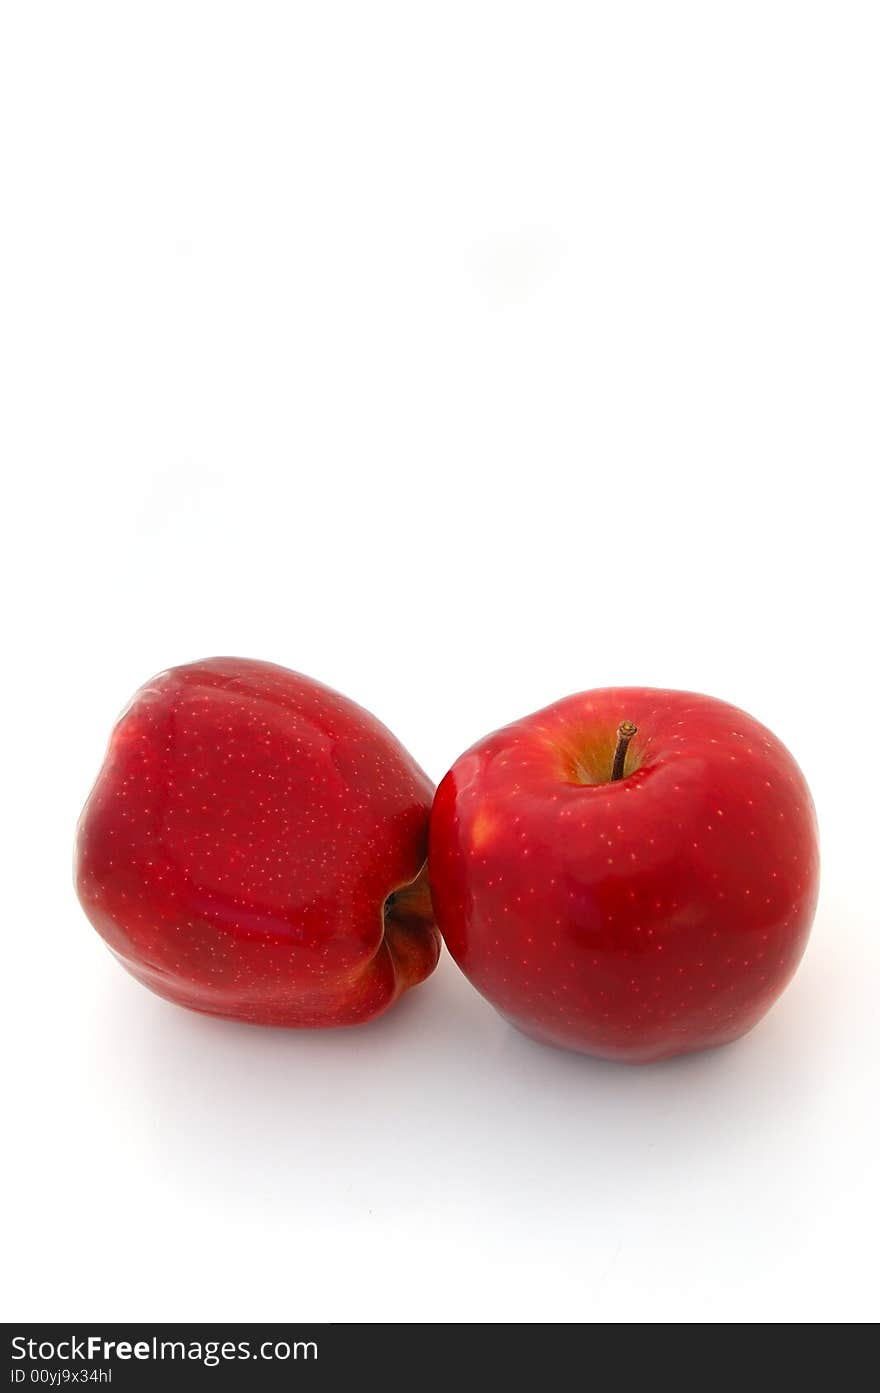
(634, 912)
(254, 847)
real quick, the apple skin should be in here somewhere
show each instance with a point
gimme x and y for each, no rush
(636, 919)
(241, 841)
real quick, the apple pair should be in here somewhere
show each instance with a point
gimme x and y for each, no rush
(630, 872)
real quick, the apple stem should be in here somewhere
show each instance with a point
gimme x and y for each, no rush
(625, 732)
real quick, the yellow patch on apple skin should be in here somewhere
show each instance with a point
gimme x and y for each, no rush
(483, 829)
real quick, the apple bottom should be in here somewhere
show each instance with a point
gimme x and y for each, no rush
(406, 954)
(593, 1012)
(653, 1053)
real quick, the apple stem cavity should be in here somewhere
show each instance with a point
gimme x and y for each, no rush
(625, 732)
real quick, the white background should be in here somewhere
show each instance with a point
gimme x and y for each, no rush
(463, 356)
